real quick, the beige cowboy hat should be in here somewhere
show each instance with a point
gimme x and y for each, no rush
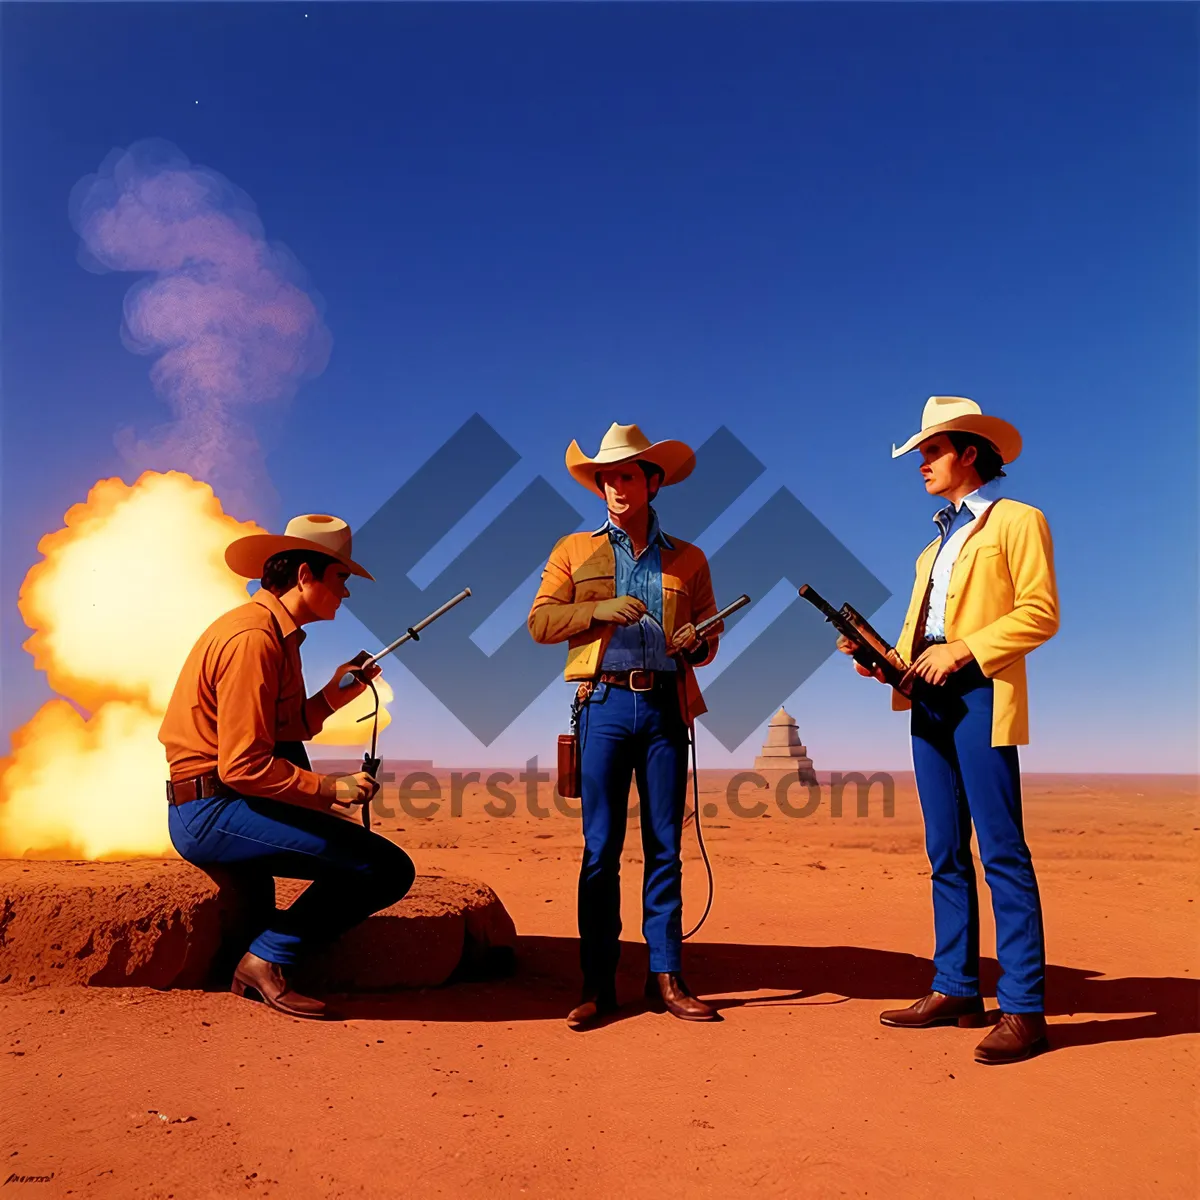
(956, 414)
(625, 443)
(313, 531)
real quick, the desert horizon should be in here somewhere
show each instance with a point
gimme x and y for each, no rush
(343, 762)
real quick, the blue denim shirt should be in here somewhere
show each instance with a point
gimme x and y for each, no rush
(644, 644)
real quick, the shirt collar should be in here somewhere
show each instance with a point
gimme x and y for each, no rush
(287, 624)
(654, 532)
(977, 502)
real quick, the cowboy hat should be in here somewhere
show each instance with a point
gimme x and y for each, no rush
(314, 531)
(956, 414)
(627, 443)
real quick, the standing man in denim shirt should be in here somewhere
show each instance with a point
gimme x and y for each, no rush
(626, 599)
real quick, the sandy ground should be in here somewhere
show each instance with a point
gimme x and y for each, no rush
(818, 924)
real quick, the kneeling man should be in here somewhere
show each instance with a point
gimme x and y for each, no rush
(245, 803)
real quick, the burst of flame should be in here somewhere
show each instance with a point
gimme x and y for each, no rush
(347, 726)
(76, 788)
(135, 575)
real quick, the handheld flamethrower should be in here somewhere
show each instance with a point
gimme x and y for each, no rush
(364, 661)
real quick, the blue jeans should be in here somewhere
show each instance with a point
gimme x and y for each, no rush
(247, 841)
(624, 735)
(963, 779)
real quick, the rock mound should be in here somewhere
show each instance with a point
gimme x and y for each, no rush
(162, 923)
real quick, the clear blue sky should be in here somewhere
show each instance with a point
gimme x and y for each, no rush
(796, 220)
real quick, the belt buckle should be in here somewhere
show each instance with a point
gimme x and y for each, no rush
(640, 671)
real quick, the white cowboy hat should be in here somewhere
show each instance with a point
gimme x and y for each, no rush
(625, 443)
(313, 531)
(956, 414)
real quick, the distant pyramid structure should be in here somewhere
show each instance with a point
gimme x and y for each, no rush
(782, 752)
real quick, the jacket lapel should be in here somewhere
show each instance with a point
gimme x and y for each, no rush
(962, 561)
(925, 559)
(675, 592)
(925, 564)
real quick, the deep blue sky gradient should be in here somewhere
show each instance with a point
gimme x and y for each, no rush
(796, 220)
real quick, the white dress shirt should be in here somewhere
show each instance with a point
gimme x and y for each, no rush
(978, 502)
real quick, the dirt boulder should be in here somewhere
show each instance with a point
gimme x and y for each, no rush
(163, 923)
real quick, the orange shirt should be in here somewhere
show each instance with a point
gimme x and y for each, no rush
(241, 690)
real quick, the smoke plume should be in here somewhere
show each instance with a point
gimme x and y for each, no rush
(228, 314)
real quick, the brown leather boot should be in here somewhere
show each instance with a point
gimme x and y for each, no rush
(936, 1009)
(597, 1003)
(667, 991)
(254, 976)
(1017, 1036)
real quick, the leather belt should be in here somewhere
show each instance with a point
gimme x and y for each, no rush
(637, 680)
(202, 787)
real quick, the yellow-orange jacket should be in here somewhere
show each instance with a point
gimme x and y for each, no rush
(1002, 601)
(581, 571)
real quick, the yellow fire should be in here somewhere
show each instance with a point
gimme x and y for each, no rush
(351, 726)
(123, 591)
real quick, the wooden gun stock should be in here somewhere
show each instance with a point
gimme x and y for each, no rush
(870, 650)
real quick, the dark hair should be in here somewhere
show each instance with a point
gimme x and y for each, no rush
(649, 469)
(282, 571)
(988, 463)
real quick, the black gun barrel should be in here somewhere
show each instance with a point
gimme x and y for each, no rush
(729, 609)
(819, 602)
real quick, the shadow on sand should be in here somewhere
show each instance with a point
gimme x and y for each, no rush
(545, 982)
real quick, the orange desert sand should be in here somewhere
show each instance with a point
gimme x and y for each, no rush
(479, 1089)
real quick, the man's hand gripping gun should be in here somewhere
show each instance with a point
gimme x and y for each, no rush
(870, 650)
(570, 782)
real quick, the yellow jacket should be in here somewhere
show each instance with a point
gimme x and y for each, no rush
(1002, 601)
(581, 571)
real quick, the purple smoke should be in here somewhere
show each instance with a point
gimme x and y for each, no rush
(228, 313)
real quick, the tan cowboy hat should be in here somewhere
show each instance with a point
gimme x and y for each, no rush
(956, 414)
(314, 531)
(625, 443)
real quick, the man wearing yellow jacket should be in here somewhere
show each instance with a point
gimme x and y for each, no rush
(626, 599)
(983, 598)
